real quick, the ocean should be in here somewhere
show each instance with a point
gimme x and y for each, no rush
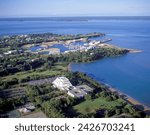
(129, 73)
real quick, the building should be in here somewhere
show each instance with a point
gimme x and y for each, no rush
(85, 88)
(80, 91)
(10, 52)
(76, 93)
(54, 51)
(62, 83)
(27, 108)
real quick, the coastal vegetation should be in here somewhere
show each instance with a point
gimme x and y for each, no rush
(17, 41)
(17, 70)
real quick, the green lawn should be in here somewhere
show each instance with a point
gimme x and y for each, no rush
(92, 105)
(25, 74)
(60, 66)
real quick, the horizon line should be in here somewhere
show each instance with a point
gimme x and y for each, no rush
(72, 16)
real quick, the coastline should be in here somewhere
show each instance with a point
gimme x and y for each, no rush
(140, 106)
(69, 67)
(134, 51)
(131, 100)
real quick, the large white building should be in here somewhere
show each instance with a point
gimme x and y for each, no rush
(62, 83)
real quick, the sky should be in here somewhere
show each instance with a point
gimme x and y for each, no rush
(48, 8)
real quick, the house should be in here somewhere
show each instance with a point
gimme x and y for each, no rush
(62, 83)
(24, 110)
(27, 108)
(30, 107)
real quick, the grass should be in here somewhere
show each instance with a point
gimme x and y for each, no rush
(60, 66)
(57, 69)
(25, 74)
(93, 105)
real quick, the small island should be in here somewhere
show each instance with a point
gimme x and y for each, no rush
(32, 66)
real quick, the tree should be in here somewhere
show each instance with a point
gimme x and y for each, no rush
(118, 111)
(70, 101)
(103, 94)
(52, 109)
(38, 101)
(109, 98)
(88, 97)
(32, 92)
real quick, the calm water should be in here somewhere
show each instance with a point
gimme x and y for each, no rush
(59, 46)
(129, 73)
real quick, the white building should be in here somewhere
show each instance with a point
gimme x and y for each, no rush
(27, 108)
(10, 52)
(54, 51)
(62, 83)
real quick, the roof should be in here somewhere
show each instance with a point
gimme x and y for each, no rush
(77, 93)
(62, 82)
(85, 88)
(80, 91)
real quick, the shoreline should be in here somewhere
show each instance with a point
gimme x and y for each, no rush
(69, 67)
(140, 106)
(131, 100)
(134, 51)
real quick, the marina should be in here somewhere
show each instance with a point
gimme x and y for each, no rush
(68, 46)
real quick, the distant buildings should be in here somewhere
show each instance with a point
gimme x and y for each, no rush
(13, 52)
(10, 52)
(63, 83)
(54, 51)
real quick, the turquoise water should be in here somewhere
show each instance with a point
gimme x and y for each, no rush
(129, 73)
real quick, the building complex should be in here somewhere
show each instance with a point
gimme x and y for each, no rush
(64, 84)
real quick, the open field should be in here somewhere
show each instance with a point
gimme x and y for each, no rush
(25, 74)
(93, 105)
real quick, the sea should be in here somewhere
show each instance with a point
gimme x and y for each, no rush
(128, 73)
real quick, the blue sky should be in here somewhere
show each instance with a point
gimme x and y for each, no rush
(37, 8)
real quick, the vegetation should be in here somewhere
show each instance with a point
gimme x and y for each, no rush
(16, 70)
(16, 41)
(101, 103)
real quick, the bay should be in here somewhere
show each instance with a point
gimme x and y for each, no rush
(129, 73)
